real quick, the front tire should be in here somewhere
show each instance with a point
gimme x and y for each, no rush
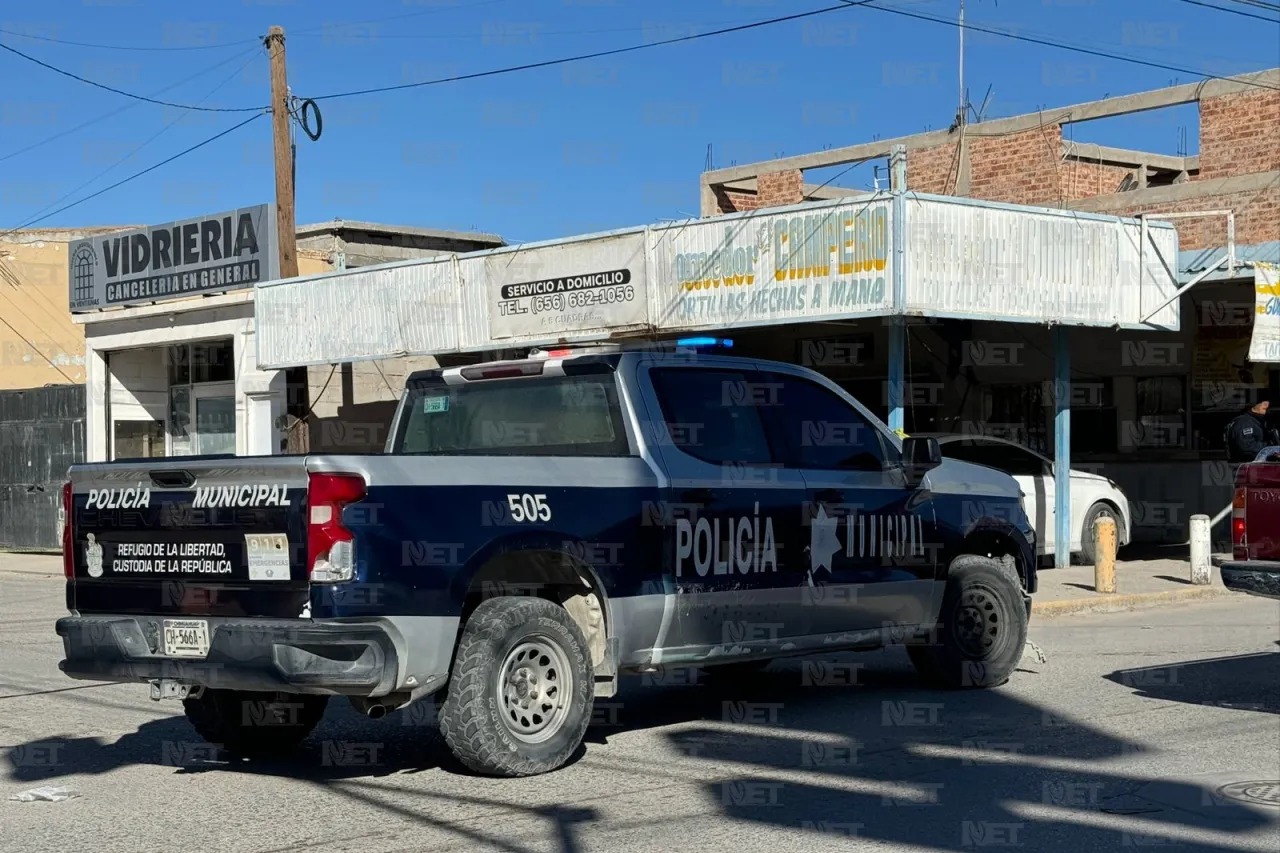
(1088, 548)
(982, 627)
(521, 690)
(254, 724)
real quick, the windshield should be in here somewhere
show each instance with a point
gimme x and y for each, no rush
(554, 416)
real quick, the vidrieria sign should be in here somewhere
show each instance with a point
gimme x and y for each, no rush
(208, 254)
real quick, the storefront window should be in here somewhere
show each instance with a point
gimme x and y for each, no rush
(1162, 413)
(180, 421)
(137, 439)
(202, 398)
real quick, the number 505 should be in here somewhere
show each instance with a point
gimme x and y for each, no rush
(529, 507)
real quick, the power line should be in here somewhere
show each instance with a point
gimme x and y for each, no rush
(1049, 43)
(1259, 4)
(98, 46)
(150, 168)
(845, 4)
(13, 278)
(144, 144)
(125, 108)
(107, 88)
(37, 351)
(1233, 11)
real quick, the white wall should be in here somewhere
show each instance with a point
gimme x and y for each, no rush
(134, 336)
(139, 384)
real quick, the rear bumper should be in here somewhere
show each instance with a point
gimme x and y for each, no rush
(1255, 577)
(351, 658)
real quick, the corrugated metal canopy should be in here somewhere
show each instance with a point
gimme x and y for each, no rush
(1195, 261)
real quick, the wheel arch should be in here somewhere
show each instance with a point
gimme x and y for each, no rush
(544, 569)
(1000, 541)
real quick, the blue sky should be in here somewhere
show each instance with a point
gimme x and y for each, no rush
(556, 151)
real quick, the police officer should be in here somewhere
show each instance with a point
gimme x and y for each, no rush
(1249, 433)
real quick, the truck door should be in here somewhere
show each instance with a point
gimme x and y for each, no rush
(736, 513)
(871, 557)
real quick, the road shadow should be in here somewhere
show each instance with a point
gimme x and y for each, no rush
(1173, 579)
(1250, 682)
(832, 746)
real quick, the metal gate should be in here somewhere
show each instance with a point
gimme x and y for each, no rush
(41, 434)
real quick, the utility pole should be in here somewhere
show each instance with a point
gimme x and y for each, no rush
(286, 228)
(298, 391)
(962, 113)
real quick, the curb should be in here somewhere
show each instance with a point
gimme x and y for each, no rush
(1116, 602)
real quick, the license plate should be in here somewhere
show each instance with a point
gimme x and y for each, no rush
(268, 555)
(186, 638)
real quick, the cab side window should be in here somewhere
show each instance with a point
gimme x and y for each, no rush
(713, 415)
(820, 430)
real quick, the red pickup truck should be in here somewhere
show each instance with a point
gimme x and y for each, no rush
(1255, 530)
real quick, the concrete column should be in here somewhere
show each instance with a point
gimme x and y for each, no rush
(95, 408)
(897, 327)
(1062, 446)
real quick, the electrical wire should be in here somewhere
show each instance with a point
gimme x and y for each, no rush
(1258, 4)
(109, 169)
(937, 19)
(98, 46)
(1233, 11)
(139, 174)
(136, 97)
(13, 278)
(37, 351)
(844, 4)
(113, 113)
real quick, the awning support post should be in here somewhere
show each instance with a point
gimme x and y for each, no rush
(1062, 447)
(897, 322)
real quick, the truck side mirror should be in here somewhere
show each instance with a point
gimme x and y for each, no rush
(920, 455)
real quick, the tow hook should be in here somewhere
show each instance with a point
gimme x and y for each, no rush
(168, 688)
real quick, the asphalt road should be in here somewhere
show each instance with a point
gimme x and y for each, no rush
(1130, 735)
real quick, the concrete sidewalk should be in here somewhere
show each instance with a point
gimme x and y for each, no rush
(1139, 584)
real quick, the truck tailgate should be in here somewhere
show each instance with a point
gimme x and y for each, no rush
(203, 536)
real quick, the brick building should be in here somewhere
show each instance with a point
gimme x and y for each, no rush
(1148, 408)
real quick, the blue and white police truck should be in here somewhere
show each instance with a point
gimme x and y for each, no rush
(534, 529)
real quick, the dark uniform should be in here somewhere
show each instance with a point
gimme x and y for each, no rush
(1248, 434)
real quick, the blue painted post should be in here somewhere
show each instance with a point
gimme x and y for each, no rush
(1062, 446)
(897, 327)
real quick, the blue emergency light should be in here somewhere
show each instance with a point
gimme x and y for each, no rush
(727, 343)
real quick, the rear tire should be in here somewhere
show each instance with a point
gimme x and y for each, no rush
(982, 627)
(521, 690)
(253, 724)
(1088, 550)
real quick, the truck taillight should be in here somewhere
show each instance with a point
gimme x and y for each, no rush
(68, 534)
(330, 548)
(1239, 541)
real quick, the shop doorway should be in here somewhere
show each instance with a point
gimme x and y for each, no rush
(202, 399)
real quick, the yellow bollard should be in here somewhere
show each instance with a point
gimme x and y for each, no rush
(1104, 559)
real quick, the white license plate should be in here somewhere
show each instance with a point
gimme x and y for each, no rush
(186, 638)
(268, 555)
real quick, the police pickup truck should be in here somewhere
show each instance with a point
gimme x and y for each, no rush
(534, 529)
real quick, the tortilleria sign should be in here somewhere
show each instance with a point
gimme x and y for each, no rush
(1265, 345)
(209, 254)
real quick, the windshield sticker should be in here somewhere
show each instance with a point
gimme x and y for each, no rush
(433, 405)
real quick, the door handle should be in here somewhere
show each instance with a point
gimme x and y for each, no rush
(704, 497)
(829, 495)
